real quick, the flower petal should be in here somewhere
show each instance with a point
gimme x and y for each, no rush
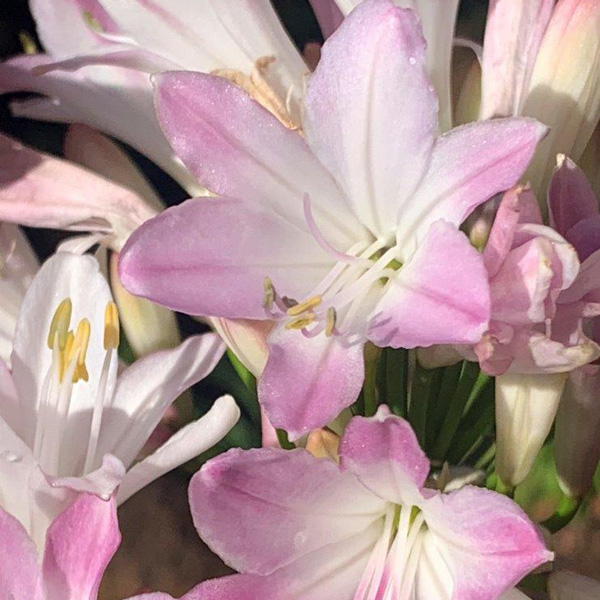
(228, 245)
(513, 35)
(485, 539)
(40, 190)
(565, 585)
(384, 454)
(235, 147)
(371, 112)
(302, 503)
(147, 388)
(79, 546)
(468, 166)
(328, 14)
(327, 374)
(20, 573)
(189, 442)
(441, 296)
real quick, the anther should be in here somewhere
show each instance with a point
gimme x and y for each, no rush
(269, 294)
(59, 327)
(330, 320)
(79, 349)
(111, 327)
(301, 322)
(298, 309)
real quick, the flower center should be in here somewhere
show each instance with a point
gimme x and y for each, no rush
(69, 350)
(392, 567)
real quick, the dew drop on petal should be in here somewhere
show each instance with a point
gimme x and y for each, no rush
(412, 60)
(10, 457)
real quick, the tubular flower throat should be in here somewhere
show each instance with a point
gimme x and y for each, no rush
(69, 349)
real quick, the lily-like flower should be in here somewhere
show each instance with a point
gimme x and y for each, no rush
(79, 545)
(67, 422)
(101, 54)
(438, 18)
(565, 585)
(575, 213)
(366, 528)
(529, 51)
(18, 265)
(347, 236)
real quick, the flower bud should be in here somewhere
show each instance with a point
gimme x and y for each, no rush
(525, 409)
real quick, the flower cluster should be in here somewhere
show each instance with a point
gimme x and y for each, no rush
(401, 259)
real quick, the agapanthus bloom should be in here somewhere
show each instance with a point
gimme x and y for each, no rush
(101, 53)
(79, 545)
(347, 236)
(68, 423)
(366, 528)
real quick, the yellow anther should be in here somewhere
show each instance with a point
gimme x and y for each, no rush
(92, 22)
(269, 294)
(298, 309)
(59, 327)
(111, 327)
(81, 341)
(301, 322)
(27, 43)
(330, 321)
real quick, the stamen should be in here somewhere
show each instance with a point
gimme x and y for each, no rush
(111, 326)
(269, 294)
(79, 350)
(330, 321)
(298, 309)
(60, 324)
(301, 322)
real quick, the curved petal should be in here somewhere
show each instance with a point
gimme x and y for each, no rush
(79, 545)
(441, 296)
(468, 166)
(384, 454)
(327, 374)
(211, 257)
(20, 573)
(371, 112)
(302, 503)
(328, 14)
(62, 276)
(189, 442)
(147, 388)
(40, 190)
(485, 539)
(18, 264)
(513, 35)
(571, 198)
(235, 147)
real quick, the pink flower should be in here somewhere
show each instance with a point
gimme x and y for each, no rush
(101, 53)
(79, 545)
(297, 527)
(347, 236)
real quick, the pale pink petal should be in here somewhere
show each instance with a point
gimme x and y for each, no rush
(440, 296)
(235, 147)
(518, 205)
(587, 284)
(19, 265)
(327, 373)
(20, 573)
(328, 14)
(486, 541)
(512, 38)
(79, 545)
(302, 503)
(384, 454)
(189, 442)
(147, 388)
(211, 257)
(585, 236)
(468, 166)
(371, 112)
(40, 190)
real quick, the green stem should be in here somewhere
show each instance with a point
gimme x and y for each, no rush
(425, 385)
(397, 380)
(284, 441)
(247, 378)
(439, 407)
(370, 395)
(468, 378)
(566, 511)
